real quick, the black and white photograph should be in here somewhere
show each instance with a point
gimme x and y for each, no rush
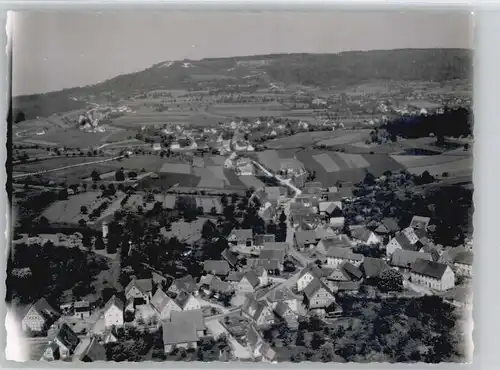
(241, 186)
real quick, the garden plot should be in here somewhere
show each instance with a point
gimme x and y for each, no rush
(208, 203)
(177, 168)
(326, 162)
(251, 181)
(69, 211)
(353, 160)
(188, 232)
(270, 160)
(451, 167)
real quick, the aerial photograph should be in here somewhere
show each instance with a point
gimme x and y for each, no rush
(231, 186)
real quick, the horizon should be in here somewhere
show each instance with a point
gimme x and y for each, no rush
(45, 59)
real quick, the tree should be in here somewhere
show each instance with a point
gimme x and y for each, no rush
(369, 179)
(209, 230)
(84, 210)
(132, 175)
(213, 211)
(283, 217)
(99, 243)
(289, 266)
(119, 175)
(82, 222)
(87, 241)
(63, 194)
(95, 176)
(390, 280)
(317, 341)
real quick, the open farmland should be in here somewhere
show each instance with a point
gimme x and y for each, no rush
(348, 137)
(251, 181)
(437, 164)
(68, 211)
(307, 139)
(51, 163)
(68, 137)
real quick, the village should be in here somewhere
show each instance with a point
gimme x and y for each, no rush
(301, 265)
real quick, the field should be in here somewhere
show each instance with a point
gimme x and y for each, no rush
(251, 181)
(437, 164)
(48, 164)
(328, 138)
(68, 137)
(188, 232)
(68, 211)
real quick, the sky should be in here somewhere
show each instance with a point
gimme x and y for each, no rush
(53, 50)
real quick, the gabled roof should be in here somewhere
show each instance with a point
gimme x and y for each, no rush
(94, 352)
(307, 236)
(339, 274)
(278, 246)
(313, 269)
(405, 243)
(253, 308)
(372, 267)
(338, 241)
(431, 269)
(270, 254)
(263, 264)
(282, 294)
(205, 280)
(113, 301)
(343, 253)
(230, 257)
(464, 258)
(261, 239)
(404, 258)
(312, 288)
(420, 222)
(253, 336)
(235, 276)
(143, 285)
(67, 337)
(186, 283)
(252, 278)
(361, 233)
(268, 352)
(217, 267)
(352, 270)
(179, 332)
(189, 316)
(219, 286)
(451, 253)
(432, 251)
(281, 308)
(391, 224)
(44, 309)
(242, 234)
(348, 285)
(183, 298)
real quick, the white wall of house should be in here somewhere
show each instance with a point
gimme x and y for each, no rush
(446, 282)
(304, 281)
(113, 316)
(392, 246)
(192, 304)
(336, 261)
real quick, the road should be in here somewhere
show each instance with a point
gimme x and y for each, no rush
(216, 328)
(67, 167)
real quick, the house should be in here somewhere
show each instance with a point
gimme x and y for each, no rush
(372, 267)
(109, 336)
(285, 312)
(268, 353)
(335, 256)
(330, 209)
(258, 312)
(432, 251)
(179, 335)
(264, 238)
(364, 236)
(186, 301)
(293, 169)
(339, 274)
(39, 316)
(273, 254)
(388, 226)
(276, 194)
(139, 291)
(285, 295)
(81, 309)
(113, 312)
(65, 339)
(241, 237)
(463, 263)
(218, 286)
(95, 351)
(318, 295)
(192, 316)
(308, 274)
(410, 234)
(434, 275)
(216, 267)
(230, 257)
(337, 241)
(51, 352)
(305, 239)
(352, 271)
(249, 281)
(272, 266)
(400, 241)
(164, 305)
(267, 211)
(402, 259)
(185, 283)
(254, 341)
(244, 167)
(262, 274)
(343, 286)
(420, 222)
(450, 253)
